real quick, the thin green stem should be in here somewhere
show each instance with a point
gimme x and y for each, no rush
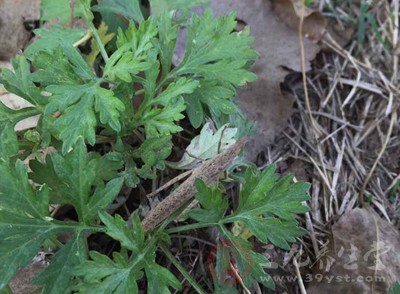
(162, 83)
(228, 219)
(99, 42)
(169, 76)
(190, 227)
(181, 269)
(139, 92)
(223, 229)
(76, 226)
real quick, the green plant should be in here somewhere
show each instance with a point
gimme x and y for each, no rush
(91, 141)
(362, 16)
(395, 289)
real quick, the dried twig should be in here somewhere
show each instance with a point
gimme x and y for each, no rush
(169, 183)
(209, 172)
(303, 71)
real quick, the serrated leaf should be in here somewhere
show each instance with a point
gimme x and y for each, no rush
(17, 194)
(103, 197)
(24, 220)
(53, 68)
(173, 91)
(51, 39)
(249, 264)
(19, 83)
(8, 142)
(162, 121)
(78, 174)
(131, 177)
(176, 89)
(277, 201)
(159, 279)
(8, 115)
(124, 66)
(118, 230)
(212, 202)
(78, 179)
(125, 93)
(46, 129)
(138, 39)
(21, 238)
(127, 8)
(194, 111)
(60, 10)
(168, 33)
(267, 208)
(109, 107)
(77, 94)
(120, 275)
(277, 231)
(263, 190)
(206, 146)
(226, 72)
(78, 104)
(153, 152)
(79, 64)
(150, 82)
(209, 44)
(209, 57)
(43, 173)
(210, 98)
(78, 121)
(56, 278)
(160, 6)
(108, 165)
(103, 275)
(131, 57)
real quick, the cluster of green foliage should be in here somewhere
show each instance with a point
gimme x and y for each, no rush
(86, 100)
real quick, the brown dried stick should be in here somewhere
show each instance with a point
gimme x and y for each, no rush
(208, 172)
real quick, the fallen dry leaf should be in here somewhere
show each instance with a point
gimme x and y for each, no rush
(340, 32)
(291, 11)
(13, 14)
(279, 50)
(363, 248)
(205, 146)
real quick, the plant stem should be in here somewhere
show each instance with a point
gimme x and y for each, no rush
(182, 270)
(139, 92)
(190, 227)
(82, 40)
(99, 42)
(170, 75)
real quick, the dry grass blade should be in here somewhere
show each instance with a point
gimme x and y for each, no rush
(352, 98)
(371, 172)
